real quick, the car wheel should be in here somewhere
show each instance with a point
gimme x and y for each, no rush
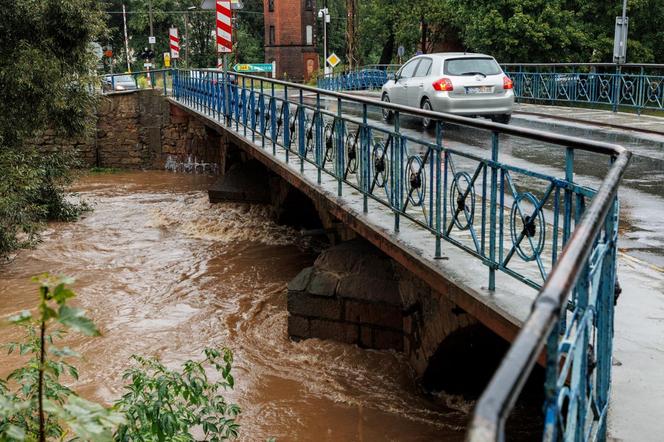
(502, 118)
(388, 115)
(427, 123)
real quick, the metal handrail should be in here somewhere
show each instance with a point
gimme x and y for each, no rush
(550, 304)
(498, 399)
(534, 134)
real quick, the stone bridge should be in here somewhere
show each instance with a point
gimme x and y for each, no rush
(439, 249)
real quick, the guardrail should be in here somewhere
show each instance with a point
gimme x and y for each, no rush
(543, 229)
(635, 86)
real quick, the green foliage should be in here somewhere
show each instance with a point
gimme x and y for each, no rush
(160, 404)
(511, 30)
(165, 405)
(46, 74)
(39, 401)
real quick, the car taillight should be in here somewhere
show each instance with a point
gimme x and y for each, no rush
(444, 84)
(507, 83)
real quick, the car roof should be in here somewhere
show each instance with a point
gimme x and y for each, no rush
(459, 55)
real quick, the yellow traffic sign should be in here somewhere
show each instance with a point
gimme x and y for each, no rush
(167, 60)
(333, 60)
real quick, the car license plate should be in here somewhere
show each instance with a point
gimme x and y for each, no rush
(478, 90)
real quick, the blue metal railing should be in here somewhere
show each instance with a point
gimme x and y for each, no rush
(363, 79)
(544, 230)
(635, 86)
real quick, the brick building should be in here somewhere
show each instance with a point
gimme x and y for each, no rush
(290, 37)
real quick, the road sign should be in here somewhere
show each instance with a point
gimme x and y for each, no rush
(401, 51)
(620, 40)
(167, 60)
(333, 60)
(224, 27)
(174, 42)
(152, 40)
(147, 65)
(253, 67)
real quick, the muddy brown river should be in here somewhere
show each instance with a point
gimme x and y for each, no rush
(164, 273)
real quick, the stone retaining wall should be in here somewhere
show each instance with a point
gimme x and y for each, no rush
(137, 130)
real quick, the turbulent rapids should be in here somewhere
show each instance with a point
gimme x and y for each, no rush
(164, 273)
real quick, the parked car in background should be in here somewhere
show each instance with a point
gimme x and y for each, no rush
(458, 83)
(119, 83)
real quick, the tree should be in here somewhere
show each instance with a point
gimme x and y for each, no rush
(46, 72)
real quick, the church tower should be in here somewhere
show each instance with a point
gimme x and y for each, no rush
(290, 37)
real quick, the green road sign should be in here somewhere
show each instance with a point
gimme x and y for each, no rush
(255, 67)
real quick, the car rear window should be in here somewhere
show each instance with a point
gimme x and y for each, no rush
(124, 78)
(471, 66)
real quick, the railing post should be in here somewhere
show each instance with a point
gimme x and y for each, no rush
(438, 166)
(551, 411)
(605, 311)
(365, 146)
(319, 129)
(301, 142)
(252, 115)
(261, 115)
(616, 88)
(273, 119)
(340, 152)
(492, 211)
(396, 170)
(285, 121)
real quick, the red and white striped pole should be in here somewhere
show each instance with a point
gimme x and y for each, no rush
(224, 30)
(174, 43)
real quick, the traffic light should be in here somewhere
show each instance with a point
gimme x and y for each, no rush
(147, 54)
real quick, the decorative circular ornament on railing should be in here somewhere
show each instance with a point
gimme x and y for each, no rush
(582, 89)
(293, 130)
(461, 190)
(352, 152)
(604, 89)
(380, 169)
(416, 182)
(533, 229)
(628, 90)
(310, 133)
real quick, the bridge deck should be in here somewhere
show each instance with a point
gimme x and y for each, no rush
(458, 275)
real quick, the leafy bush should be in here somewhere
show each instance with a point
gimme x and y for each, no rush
(41, 406)
(160, 404)
(165, 405)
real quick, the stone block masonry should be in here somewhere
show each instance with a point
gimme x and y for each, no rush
(137, 130)
(357, 295)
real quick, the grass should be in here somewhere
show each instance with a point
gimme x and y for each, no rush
(105, 170)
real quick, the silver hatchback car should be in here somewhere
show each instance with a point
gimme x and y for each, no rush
(455, 82)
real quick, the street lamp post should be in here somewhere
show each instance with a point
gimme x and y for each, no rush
(186, 34)
(325, 15)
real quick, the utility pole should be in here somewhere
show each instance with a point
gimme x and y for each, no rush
(351, 34)
(124, 19)
(425, 32)
(325, 15)
(151, 38)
